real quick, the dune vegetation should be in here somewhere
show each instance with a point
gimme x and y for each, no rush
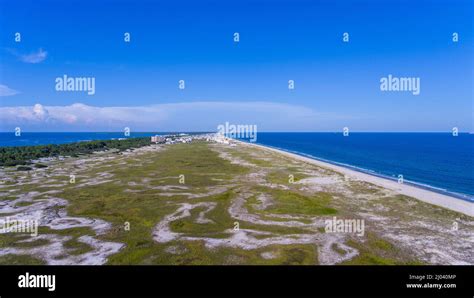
(209, 203)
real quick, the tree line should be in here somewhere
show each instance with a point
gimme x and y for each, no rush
(23, 155)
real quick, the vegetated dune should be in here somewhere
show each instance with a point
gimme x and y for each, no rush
(212, 203)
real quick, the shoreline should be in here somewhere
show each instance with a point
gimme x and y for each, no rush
(460, 196)
(419, 193)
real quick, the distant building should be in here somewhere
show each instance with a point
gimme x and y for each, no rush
(219, 138)
(157, 139)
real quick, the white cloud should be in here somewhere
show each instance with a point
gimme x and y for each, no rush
(185, 116)
(35, 57)
(6, 91)
(40, 112)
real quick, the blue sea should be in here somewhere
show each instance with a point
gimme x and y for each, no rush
(437, 161)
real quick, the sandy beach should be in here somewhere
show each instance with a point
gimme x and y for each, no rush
(421, 194)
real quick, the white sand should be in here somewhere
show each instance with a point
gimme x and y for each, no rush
(421, 194)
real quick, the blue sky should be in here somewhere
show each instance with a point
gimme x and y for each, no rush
(337, 84)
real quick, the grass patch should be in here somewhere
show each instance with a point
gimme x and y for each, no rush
(75, 247)
(378, 251)
(290, 202)
(11, 259)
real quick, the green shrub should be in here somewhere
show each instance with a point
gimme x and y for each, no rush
(23, 168)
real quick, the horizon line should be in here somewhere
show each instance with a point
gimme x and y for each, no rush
(179, 131)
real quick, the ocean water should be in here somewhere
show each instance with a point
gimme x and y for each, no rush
(437, 161)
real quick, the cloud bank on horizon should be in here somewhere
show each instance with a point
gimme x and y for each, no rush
(184, 116)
